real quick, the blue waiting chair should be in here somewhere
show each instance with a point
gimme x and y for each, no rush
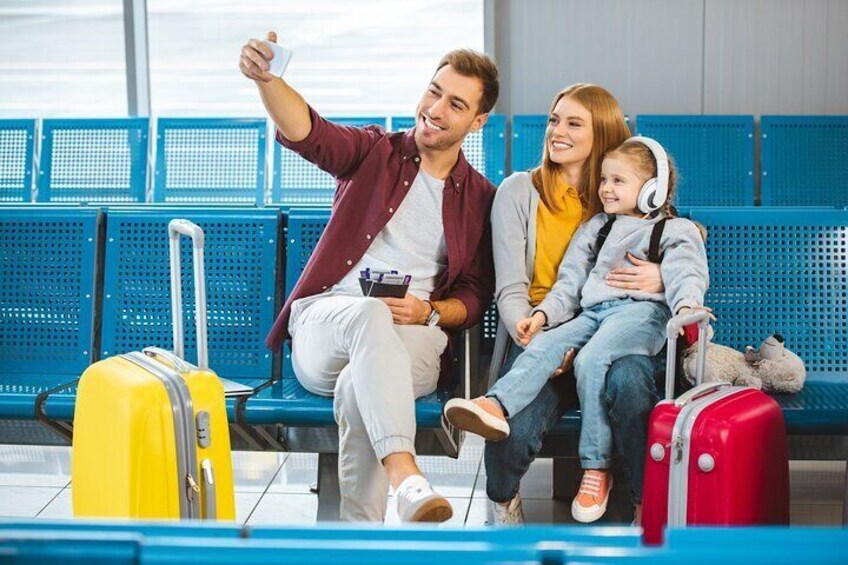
(210, 160)
(714, 156)
(297, 182)
(803, 160)
(17, 140)
(93, 160)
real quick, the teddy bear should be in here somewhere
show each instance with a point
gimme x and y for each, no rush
(771, 367)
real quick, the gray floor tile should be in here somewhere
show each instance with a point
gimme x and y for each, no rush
(245, 504)
(25, 502)
(537, 483)
(60, 508)
(298, 475)
(253, 470)
(285, 509)
(35, 465)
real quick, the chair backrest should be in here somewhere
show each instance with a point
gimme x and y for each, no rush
(47, 292)
(93, 160)
(210, 160)
(781, 271)
(297, 182)
(714, 156)
(485, 150)
(241, 249)
(528, 135)
(303, 230)
(804, 160)
(17, 140)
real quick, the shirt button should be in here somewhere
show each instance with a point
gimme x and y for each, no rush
(406, 183)
(391, 210)
(417, 159)
(323, 288)
(367, 236)
(349, 262)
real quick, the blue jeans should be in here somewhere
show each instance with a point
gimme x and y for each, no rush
(604, 333)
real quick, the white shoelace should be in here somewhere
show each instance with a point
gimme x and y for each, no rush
(591, 485)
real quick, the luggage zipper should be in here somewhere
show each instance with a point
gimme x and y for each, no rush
(184, 428)
(678, 483)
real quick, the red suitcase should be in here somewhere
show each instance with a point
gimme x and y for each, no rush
(715, 456)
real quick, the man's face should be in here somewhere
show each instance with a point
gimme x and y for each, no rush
(448, 110)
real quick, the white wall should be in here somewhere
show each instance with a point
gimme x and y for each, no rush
(675, 56)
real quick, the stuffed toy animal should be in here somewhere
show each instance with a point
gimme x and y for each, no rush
(772, 367)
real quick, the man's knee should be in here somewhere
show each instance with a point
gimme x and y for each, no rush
(631, 377)
(372, 311)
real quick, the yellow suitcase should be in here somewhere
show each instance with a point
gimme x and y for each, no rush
(151, 438)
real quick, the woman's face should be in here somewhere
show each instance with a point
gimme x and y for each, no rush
(569, 133)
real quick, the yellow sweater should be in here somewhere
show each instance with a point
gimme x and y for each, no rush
(554, 231)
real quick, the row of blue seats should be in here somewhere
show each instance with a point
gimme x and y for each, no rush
(84, 543)
(224, 160)
(82, 284)
(216, 160)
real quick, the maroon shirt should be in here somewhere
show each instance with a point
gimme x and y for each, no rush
(374, 170)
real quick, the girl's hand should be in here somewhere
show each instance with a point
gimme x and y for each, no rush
(643, 276)
(688, 309)
(529, 327)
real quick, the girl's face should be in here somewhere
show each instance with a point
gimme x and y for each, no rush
(620, 186)
(569, 134)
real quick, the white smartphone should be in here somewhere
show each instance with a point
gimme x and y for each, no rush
(280, 60)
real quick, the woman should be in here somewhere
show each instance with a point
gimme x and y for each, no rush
(534, 217)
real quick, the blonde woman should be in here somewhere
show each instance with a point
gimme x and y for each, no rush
(534, 217)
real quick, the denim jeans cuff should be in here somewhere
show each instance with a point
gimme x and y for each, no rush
(596, 465)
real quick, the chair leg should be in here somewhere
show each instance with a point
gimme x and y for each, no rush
(329, 496)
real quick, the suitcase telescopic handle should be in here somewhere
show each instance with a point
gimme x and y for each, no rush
(702, 318)
(176, 228)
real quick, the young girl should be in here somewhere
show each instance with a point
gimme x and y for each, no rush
(582, 311)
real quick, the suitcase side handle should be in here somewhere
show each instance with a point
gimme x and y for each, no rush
(210, 509)
(702, 318)
(176, 228)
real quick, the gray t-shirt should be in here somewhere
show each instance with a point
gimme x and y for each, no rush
(412, 243)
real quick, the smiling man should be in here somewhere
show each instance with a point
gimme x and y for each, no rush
(405, 201)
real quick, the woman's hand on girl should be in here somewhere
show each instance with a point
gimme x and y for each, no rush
(529, 327)
(643, 276)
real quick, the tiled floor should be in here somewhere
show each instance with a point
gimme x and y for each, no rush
(274, 488)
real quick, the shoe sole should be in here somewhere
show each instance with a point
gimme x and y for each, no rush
(588, 516)
(477, 421)
(436, 510)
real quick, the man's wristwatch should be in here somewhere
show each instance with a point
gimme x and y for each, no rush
(433, 317)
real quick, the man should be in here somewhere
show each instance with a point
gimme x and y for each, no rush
(405, 201)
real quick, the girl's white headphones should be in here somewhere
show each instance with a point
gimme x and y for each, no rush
(654, 192)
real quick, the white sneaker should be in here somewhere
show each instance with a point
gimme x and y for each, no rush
(509, 514)
(418, 502)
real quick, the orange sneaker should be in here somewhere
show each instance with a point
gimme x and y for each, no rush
(593, 496)
(482, 416)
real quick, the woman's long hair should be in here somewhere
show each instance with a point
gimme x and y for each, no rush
(609, 130)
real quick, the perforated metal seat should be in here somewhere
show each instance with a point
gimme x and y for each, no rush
(210, 160)
(17, 139)
(297, 182)
(93, 160)
(803, 160)
(714, 156)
